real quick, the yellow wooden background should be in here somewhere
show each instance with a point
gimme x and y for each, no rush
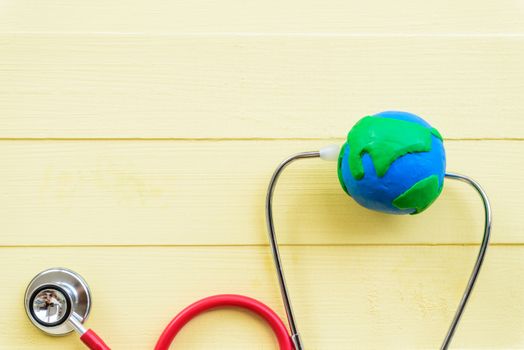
(138, 137)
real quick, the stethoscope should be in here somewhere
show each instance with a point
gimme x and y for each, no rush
(58, 301)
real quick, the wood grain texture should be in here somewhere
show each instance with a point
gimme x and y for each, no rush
(207, 193)
(372, 297)
(137, 139)
(164, 16)
(142, 86)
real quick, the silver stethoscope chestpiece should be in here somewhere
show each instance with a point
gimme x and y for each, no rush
(56, 300)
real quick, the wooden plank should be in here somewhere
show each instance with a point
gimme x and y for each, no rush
(161, 16)
(132, 86)
(210, 192)
(344, 297)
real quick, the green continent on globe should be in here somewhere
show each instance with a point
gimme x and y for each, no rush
(339, 167)
(385, 140)
(420, 195)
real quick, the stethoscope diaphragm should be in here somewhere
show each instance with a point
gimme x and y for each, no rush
(57, 301)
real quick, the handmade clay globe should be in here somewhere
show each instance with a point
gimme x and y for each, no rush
(393, 162)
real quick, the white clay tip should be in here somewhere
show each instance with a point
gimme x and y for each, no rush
(329, 152)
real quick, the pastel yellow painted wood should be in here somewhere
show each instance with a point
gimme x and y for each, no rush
(161, 16)
(233, 87)
(182, 192)
(345, 297)
(156, 86)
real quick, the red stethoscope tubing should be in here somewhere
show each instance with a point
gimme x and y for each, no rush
(226, 300)
(93, 342)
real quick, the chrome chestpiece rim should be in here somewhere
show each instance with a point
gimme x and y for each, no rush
(54, 297)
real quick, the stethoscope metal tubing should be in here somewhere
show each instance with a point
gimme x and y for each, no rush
(480, 258)
(295, 336)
